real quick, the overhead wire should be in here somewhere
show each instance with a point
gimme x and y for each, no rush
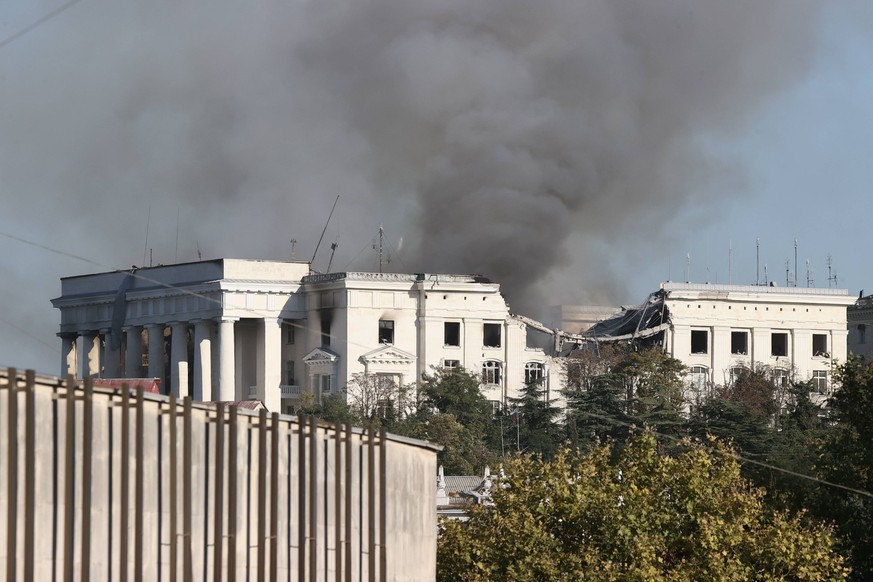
(37, 23)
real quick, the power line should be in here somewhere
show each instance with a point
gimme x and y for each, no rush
(37, 23)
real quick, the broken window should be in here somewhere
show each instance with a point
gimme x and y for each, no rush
(491, 335)
(451, 364)
(699, 377)
(740, 343)
(386, 331)
(534, 372)
(820, 381)
(452, 333)
(779, 344)
(699, 341)
(820, 344)
(491, 372)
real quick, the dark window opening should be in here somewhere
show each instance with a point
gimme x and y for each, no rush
(452, 334)
(819, 344)
(289, 333)
(739, 342)
(534, 372)
(779, 344)
(491, 335)
(862, 333)
(386, 331)
(325, 332)
(699, 341)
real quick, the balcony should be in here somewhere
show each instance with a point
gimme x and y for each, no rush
(290, 390)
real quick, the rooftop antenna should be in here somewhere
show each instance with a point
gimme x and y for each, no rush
(333, 247)
(199, 256)
(688, 267)
(795, 262)
(146, 247)
(324, 230)
(178, 210)
(766, 281)
(381, 236)
(293, 244)
(758, 261)
(810, 275)
(788, 272)
(832, 274)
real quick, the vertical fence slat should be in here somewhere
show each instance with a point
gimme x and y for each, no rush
(138, 486)
(383, 505)
(231, 493)
(69, 481)
(125, 486)
(301, 494)
(12, 474)
(349, 509)
(274, 497)
(29, 473)
(218, 560)
(313, 499)
(371, 504)
(187, 557)
(87, 446)
(338, 500)
(174, 441)
(262, 493)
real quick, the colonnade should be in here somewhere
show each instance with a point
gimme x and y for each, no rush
(92, 354)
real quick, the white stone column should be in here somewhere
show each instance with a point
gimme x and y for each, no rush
(111, 358)
(227, 360)
(179, 359)
(91, 355)
(133, 352)
(69, 354)
(202, 360)
(270, 363)
(156, 352)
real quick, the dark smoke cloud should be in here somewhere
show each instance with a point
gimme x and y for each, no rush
(515, 139)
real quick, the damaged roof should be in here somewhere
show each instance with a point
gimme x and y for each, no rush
(643, 321)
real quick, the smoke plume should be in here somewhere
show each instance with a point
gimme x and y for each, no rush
(509, 138)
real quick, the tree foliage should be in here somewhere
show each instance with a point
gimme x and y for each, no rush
(633, 514)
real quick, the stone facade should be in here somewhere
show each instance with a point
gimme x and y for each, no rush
(231, 329)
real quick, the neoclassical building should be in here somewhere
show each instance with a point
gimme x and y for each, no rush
(716, 330)
(232, 329)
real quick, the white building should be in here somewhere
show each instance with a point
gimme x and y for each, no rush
(717, 329)
(860, 321)
(271, 330)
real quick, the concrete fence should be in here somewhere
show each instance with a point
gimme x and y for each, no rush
(101, 484)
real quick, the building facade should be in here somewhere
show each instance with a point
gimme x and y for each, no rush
(860, 321)
(231, 329)
(717, 330)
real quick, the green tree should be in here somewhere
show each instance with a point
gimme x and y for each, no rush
(633, 514)
(654, 383)
(846, 457)
(534, 420)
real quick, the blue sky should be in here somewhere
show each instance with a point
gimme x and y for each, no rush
(796, 165)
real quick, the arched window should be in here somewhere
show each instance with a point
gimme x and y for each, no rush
(534, 372)
(491, 372)
(699, 377)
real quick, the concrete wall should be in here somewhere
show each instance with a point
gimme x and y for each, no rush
(94, 483)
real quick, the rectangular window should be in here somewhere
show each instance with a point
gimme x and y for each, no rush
(779, 344)
(699, 377)
(386, 331)
(699, 341)
(820, 381)
(324, 383)
(289, 333)
(819, 344)
(452, 333)
(496, 407)
(862, 333)
(325, 332)
(289, 372)
(451, 364)
(533, 372)
(491, 335)
(740, 343)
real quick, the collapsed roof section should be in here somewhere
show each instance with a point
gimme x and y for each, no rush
(644, 321)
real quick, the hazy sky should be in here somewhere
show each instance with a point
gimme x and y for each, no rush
(575, 151)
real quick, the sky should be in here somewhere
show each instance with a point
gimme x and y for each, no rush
(579, 152)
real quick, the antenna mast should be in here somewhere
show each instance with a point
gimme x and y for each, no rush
(293, 245)
(758, 261)
(381, 235)
(730, 262)
(324, 230)
(795, 262)
(831, 277)
(810, 275)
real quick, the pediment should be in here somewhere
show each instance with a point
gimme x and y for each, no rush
(320, 356)
(388, 354)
